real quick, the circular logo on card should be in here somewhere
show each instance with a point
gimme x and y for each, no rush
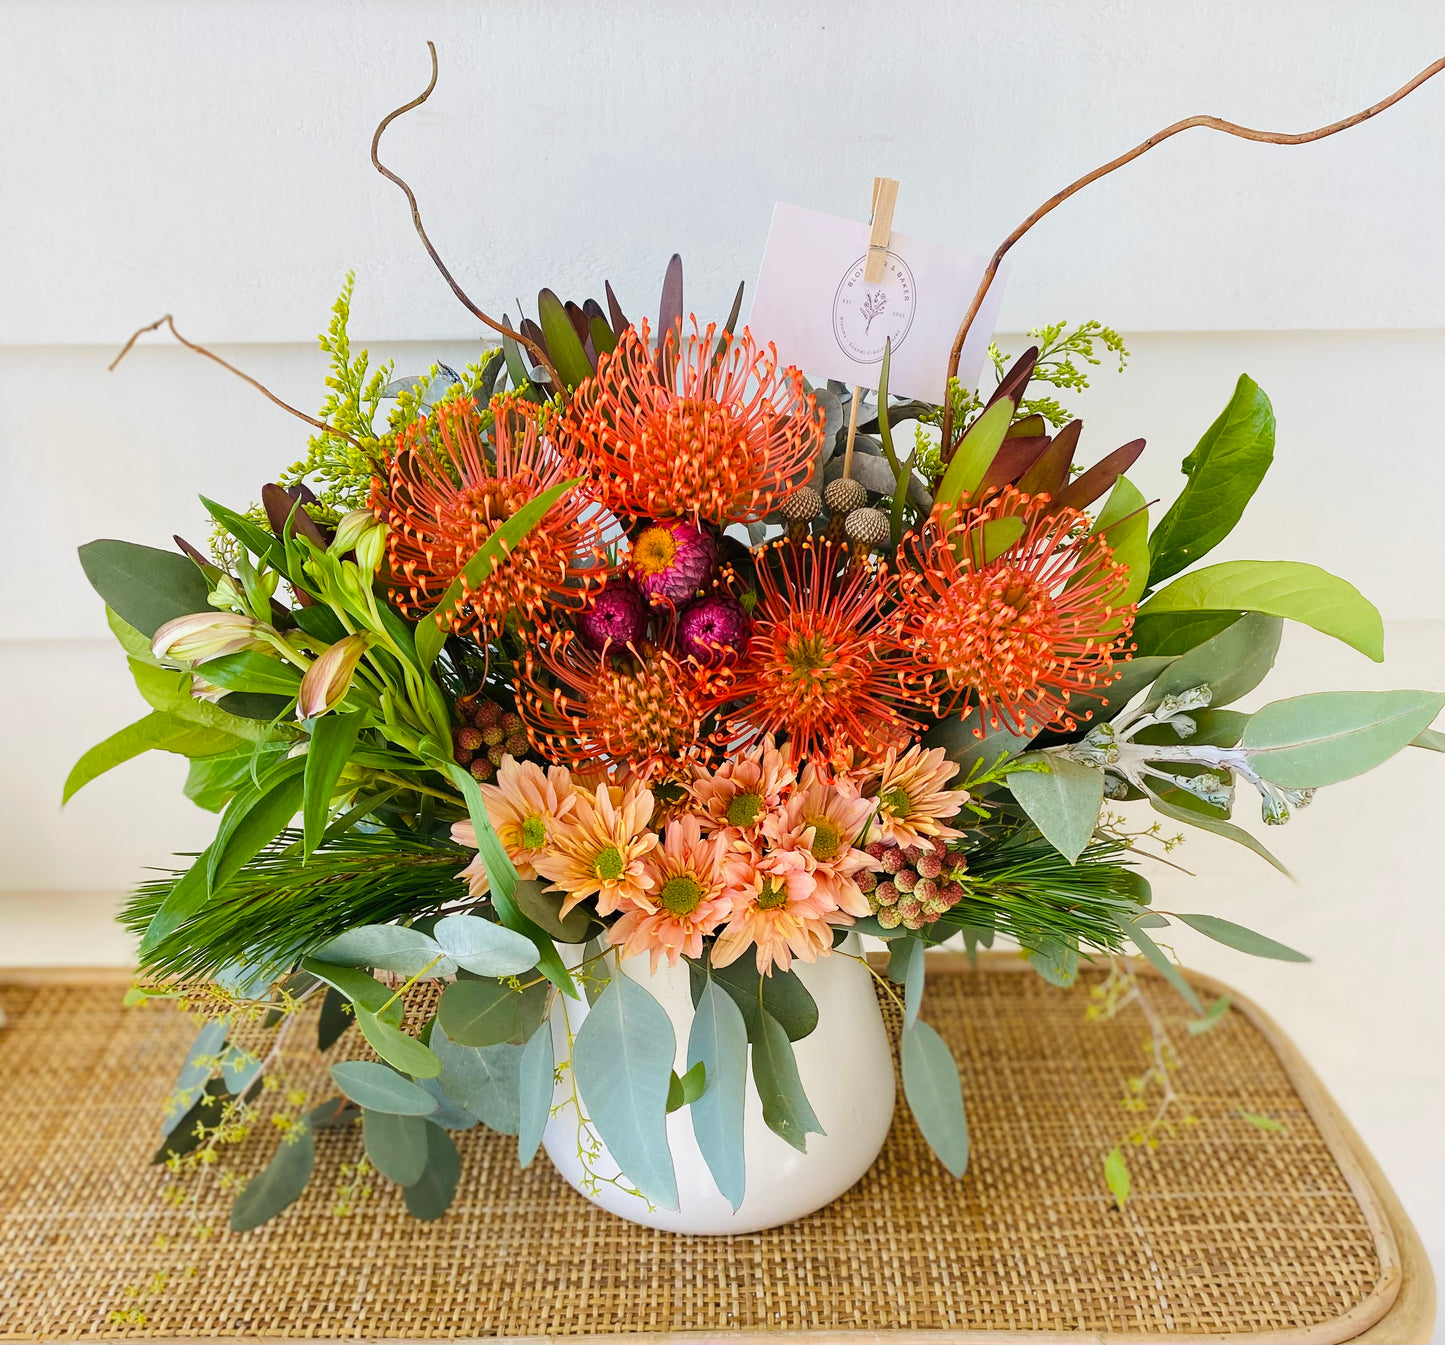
(866, 317)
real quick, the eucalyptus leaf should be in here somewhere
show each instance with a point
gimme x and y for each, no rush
(1062, 801)
(239, 1069)
(201, 1062)
(1198, 1026)
(1231, 663)
(397, 1047)
(485, 947)
(1430, 739)
(334, 1019)
(283, 1180)
(961, 739)
(449, 1115)
(913, 983)
(143, 586)
(535, 1084)
(1056, 961)
(718, 1041)
(622, 1062)
(935, 1095)
(545, 910)
(395, 1144)
(782, 994)
(395, 948)
(362, 990)
(1185, 810)
(378, 1087)
(429, 1198)
(1237, 936)
(1161, 962)
(786, 1109)
(484, 1080)
(479, 1013)
(1098, 707)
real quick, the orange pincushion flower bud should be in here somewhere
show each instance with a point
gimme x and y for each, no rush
(329, 679)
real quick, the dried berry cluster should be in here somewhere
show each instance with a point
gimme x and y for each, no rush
(485, 735)
(917, 885)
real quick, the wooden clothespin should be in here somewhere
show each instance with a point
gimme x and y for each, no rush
(885, 197)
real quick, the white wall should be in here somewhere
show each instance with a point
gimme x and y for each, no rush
(210, 160)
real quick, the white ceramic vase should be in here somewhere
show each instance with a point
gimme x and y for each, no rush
(845, 1065)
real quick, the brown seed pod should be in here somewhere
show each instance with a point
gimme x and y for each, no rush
(845, 495)
(867, 527)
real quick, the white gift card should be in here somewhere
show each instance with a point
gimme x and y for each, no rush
(814, 305)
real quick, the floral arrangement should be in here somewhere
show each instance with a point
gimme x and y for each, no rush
(618, 642)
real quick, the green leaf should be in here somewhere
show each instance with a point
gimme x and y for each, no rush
(181, 1135)
(136, 645)
(535, 1085)
(935, 1095)
(1329, 736)
(1212, 728)
(1231, 663)
(334, 1019)
(239, 1069)
(1192, 811)
(429, 1198)
(1285, 588)
(378, 1087)
(485, 1080)
(395, 1144)
(912, 981)
(391, 947)
(143, 586)
(1133, 676)
(363, 991)
(184, 899)
(1116, 1176)
(169, 690)
(332, 739)
(622, 1061)
(283, 1181)
(485, 947)
(1124, 524)
(718, 1042)
(683, 1089)
(395, 1046)
(1162, 963)
(1198, 1026)
(563, 345)
(1056, 961)
(260, 542)
(252, 671)
(479, 1013)
(782, 994)
(1224, 471)
(545, 910)
(957, 738)
(1063, 801)
(1263, 1122)
(975, 453)
(1237, 936)
(1171, 634)
(786, 1110)
(432, 629)
(1430, 740)
(191, 1082)
(212, 780)
(158, 730)
(252, 820)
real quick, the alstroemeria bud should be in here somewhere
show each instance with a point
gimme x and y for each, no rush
(207, 635)
(371, 548)
(328, 679)
(349, 530)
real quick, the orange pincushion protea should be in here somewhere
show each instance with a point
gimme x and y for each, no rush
(1019, 633)
(445, 494)
(824, 663)
(722, 438)
(642, 710)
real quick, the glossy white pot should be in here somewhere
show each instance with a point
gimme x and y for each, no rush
(845, 1066)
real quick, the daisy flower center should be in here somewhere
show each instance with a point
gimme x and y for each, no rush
(772, 896)
(826, 840)
(681, 895)
(654, 551)
(896, 800)
(534, 833)
(743, 811)
(608, 864)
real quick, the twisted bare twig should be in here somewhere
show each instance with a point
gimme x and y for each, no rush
(167, 321)
(1210, 123)
(426, 242)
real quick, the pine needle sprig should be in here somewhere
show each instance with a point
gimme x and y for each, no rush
(279, 906)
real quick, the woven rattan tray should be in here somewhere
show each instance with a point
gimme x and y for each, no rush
(1231, 1232)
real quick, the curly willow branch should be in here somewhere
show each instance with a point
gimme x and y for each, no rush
(426, 242)
(1210, 123)
(167, 321)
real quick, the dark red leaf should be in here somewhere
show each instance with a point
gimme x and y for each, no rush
(619, 318)
(669, 313)
(283, 507)
(1016, 380)
(1049, 474)
(1083, 490)
(1013, 459)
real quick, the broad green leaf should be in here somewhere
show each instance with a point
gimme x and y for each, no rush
(958, 736)
(429, 1198)
(1231, 663)
(1124, 524)
(362, 990)
(532, 1006)
(170, 690)
(252, 671)
(1171, 634)
(1116, 1176)
(683, 1089)
(395, 1144)
(212, 780)
(718, 1041)
(786, 1110)
(259, 541)
(158, 730)
(395, 1046)
(1056, 961)
(332, 739)
(479, 1013)
(1284, 588)
(1186, 808)
(782, 994)
(1263, 1122)
(390, 947)
(378, 1087)
(485, 947)
(136, 645)
(255, 826)
(935, 1095)
(1063, 801)
(1224, 470)
(563, 343)
(535, 1084)
(432, 629)
(975, 453)
(913, 983)
(1329, 736)
(143, 586)
(449, 1115)
(1212, 728)
(184, 899)
(1237, 936)
(545, 910)
(1161, 961)
(1198, 1026)
(622, 1061)
(283, 1181)
(485, 1080)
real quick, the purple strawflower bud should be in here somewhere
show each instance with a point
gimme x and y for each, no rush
(713, 630)
(670, 561)
(618, 616)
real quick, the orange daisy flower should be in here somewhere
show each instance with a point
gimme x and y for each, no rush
(708, 428)
(1019, 633)
(914, 801)
(601, 850)
(777, 911)
(735, 798)
(822, 821)
(447, 491)
(686, 901)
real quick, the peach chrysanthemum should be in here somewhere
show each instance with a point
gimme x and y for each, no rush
(823, 821)
(689, 432)
(445, 492)
(736, 797)
(914, 802)
(525, 807)
(777, 910)
(686, 901)
(1019, 633)
(601, 850)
